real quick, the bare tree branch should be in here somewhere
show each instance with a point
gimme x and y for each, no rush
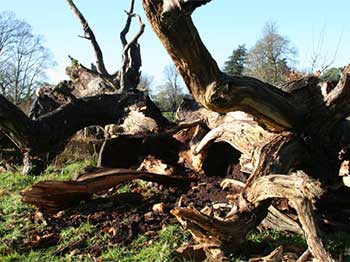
(89, 34)
(129, 75)
(212, 88)
(126, 29)
(138, 34)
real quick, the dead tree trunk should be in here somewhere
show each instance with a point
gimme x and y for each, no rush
(41, 140)
(294, 127)
(288, 136)
(128, 77)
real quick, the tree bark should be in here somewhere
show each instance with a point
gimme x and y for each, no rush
(42, 139)
(209, 86)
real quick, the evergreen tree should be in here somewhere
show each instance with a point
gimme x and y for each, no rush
(332, 75)
(235, 63)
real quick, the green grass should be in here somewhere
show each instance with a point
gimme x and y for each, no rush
(171, 116)
(15, 216)
(16, 224)
(276, 238)
(142, 249)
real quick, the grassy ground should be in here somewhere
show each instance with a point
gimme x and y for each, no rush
(171, 116)
(18, 226)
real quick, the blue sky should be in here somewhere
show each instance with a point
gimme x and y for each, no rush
(223, 25)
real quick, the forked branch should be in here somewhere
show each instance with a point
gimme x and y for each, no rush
(134, 40)
(89, 34)
(129, 74)
(126, 29)
(127, 78)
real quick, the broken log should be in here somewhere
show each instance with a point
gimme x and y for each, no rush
(127, 150)
(53, 195)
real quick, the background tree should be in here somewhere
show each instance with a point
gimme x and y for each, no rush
(23, 59)
(168, 96)
(236, 62)
(9, 27)
(270, 58)
(146, 82)
(332, 75)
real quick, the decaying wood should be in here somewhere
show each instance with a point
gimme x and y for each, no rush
(295, 125)
(266, 153)
(298, 188)
(277, 131)
(304, 257)
(190, 252)
(301, 191)
(274, 256)
(57, 195)
(276, 220)
(127, 150)
(147, 153)
(218, 236)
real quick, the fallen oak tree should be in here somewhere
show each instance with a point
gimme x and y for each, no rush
(297, 113)
(295, 118)
(240, 231)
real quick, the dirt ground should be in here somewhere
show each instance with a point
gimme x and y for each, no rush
(125, 212)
